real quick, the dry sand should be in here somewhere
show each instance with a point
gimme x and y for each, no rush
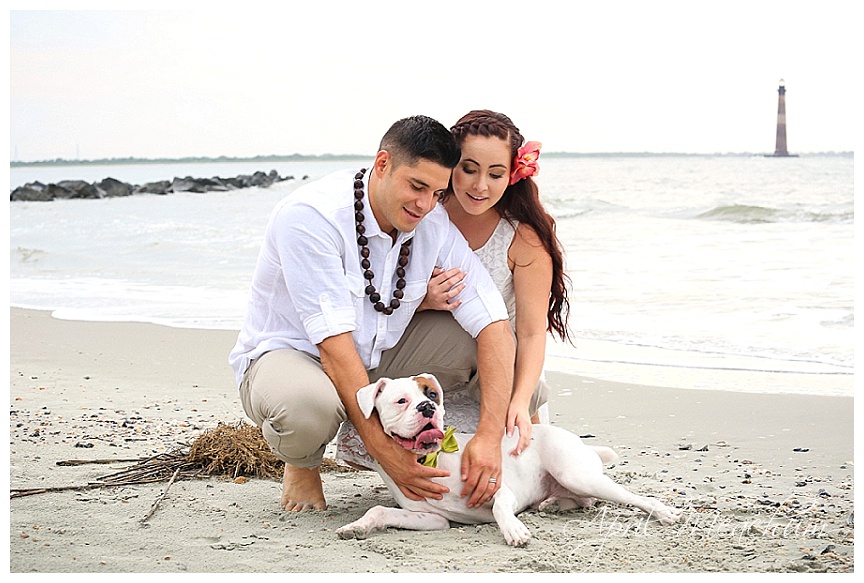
(765, 481)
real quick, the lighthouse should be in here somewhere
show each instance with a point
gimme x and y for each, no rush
(780, 150)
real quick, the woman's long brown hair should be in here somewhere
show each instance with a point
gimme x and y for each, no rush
(521, 202)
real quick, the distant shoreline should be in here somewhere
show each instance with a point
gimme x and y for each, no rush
(187, 160)
(328, 157)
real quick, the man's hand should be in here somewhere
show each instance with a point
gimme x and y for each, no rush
(481, 463)
(412, 478)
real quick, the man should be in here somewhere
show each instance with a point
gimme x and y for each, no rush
(344, 264)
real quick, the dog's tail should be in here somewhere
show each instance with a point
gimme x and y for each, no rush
(607, 454)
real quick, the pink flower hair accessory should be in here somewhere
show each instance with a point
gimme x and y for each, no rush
(525, 164)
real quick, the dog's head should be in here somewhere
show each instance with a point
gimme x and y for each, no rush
(410, 409)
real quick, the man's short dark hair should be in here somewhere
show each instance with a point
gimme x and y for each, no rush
(421, 137)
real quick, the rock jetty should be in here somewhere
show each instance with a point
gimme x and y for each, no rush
(110, 187)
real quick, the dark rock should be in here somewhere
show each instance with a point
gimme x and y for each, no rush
(31, 191)
(56, 191)
(260, 179)
(184, 185)
(77, 189)
(214, 184)
(159, 187)
(113, 187)
(236, 182)
(190, 184)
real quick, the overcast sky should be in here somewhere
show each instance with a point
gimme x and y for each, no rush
(330, 77)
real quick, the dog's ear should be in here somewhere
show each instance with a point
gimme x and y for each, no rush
(429, 381)
(366, 396)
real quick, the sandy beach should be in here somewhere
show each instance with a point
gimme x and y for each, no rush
(765, 482)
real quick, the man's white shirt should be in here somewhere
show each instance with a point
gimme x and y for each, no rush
(308, 284)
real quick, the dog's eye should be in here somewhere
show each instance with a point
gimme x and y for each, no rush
(432, 395)
(402, 401)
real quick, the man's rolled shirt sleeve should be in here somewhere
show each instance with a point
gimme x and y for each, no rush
(482, 303)
(314, 273)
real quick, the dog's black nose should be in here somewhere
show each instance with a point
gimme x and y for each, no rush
(426, 408)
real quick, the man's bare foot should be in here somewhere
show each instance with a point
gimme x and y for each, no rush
(302, 489)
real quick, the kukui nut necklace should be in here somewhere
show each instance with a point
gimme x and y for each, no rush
(404, 252)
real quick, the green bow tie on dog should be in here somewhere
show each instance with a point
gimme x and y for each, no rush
(448, 445)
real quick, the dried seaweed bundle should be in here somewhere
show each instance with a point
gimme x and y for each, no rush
(232, 451)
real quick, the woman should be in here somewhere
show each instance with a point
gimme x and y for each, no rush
(496, 205)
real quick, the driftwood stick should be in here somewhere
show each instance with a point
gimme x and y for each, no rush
(145, 469)
(97, 461)
(131, 477)
(161, 496)
(21, 492)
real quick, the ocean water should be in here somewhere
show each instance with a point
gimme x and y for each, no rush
(703, 272)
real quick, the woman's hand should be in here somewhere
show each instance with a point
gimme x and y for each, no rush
(518, 417)
(442, 290)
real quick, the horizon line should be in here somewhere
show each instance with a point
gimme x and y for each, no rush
(301, 157)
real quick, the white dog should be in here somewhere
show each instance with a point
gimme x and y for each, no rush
(557, 468)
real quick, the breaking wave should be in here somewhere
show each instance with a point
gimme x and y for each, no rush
(749, 214)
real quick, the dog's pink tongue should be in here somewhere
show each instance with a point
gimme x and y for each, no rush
(428, 436)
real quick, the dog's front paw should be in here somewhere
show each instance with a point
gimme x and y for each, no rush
(667, 515)
(352, 531)
(515, 533)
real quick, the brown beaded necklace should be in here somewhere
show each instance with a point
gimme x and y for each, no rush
(404, 252)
